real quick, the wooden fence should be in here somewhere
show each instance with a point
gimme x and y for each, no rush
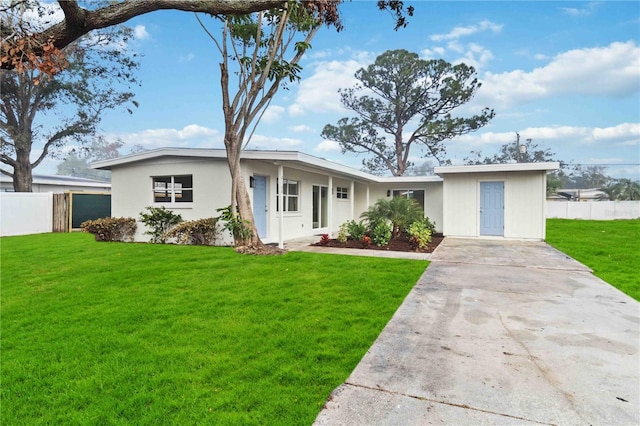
(61, 212)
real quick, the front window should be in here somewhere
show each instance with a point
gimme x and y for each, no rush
(414, 194)
(290, 195)
(173, 189)
(342, 193)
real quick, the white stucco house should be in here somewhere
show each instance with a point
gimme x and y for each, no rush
(498, 201)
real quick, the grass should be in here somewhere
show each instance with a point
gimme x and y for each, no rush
(115, 333)
(610, 248)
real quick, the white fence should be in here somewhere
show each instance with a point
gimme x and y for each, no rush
(23, 213)
(593, 210)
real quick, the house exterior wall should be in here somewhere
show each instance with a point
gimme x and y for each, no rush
(432, 197)
(524, 204)
(132, 188)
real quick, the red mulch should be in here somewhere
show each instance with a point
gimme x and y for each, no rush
(396, 244)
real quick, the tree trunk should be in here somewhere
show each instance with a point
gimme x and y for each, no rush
(239, 195)
(22, 173)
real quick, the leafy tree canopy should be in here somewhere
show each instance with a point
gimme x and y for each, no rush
(402, 100)
(46, 111)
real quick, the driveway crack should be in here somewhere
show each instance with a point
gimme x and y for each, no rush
(451, 404)
(542, 370)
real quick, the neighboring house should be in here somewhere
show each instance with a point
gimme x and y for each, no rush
(581, 194)
(318, 195)
(58, 184)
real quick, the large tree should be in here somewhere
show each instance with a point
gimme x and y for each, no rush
(401, 101)
(45, 111)
(260, 53)
(514, 152)
(21, 44)
(77, 161)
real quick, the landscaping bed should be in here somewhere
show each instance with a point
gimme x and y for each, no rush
(395, 244)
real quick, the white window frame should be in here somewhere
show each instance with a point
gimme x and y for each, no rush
(173, 189)
(286, 197)
(342, 193)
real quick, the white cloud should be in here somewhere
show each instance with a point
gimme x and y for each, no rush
(613, 70)
(459, 32)
(572, 11)
(621, 131)
(300, 128)
(328, 146)
(186, 58)
(191, 135)
(271, 142)
(433, 53)
(476, 56)
(319, 92)
(140, 32)
(272, 114)
(576, 134)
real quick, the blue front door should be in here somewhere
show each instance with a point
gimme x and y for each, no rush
(260, 204)
(492, 208)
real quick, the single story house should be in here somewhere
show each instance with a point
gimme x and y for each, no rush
(317, 196)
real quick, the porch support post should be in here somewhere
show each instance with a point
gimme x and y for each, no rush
(368, 203)
(281, 205)
(352, 197)
(330, 205)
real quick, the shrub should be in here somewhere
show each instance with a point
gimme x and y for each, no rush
(160, 220)
(431, 226)
(343, 232)
(240, 229)
(400, 211)
(356, 229)
(420, 234)
(324, 239)
(381, 234)
(111, 228)
(201, 232)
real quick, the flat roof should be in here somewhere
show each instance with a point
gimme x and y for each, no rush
(293, 159)
(488, 168)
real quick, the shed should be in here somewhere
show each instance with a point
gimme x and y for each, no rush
(495, 200)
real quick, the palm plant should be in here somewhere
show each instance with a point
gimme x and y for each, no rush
(623, 190)
(399, 211)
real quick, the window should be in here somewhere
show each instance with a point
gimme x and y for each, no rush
(290, 195)
(342, 193)
(173, 189)
(415, 194)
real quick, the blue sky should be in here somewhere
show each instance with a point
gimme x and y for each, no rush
(565, 74)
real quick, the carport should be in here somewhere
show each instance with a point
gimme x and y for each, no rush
(495, 200)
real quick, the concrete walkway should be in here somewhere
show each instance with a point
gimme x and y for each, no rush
(499, 332)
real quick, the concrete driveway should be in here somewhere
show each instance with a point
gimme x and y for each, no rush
(500, 332)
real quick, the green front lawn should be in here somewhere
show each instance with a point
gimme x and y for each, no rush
(116, 333)
(610, 248)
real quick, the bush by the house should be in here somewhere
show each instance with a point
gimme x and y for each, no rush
(201, 232)
(356, 229)
(419, 234)
(159, 220)
(111, 228)
(324, 239)
(343, 232)
(381, 234)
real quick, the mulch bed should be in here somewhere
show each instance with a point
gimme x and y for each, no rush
(396, 244)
